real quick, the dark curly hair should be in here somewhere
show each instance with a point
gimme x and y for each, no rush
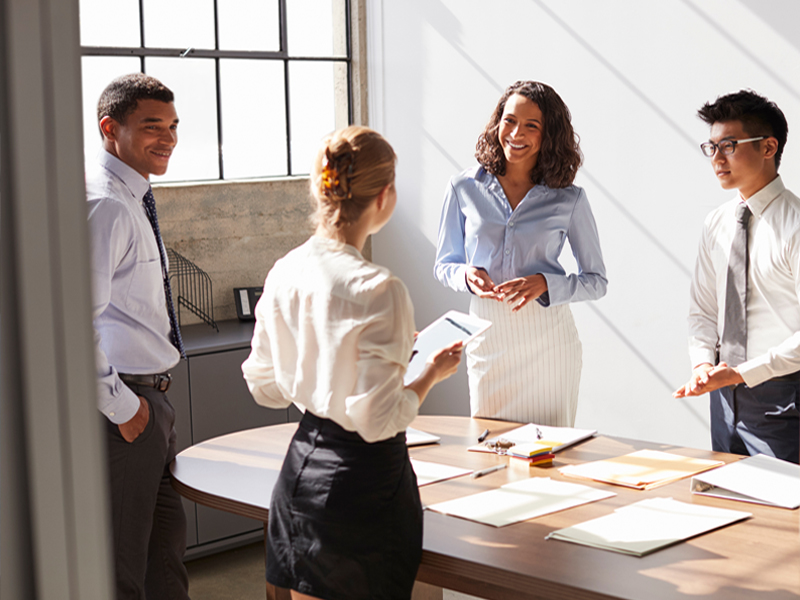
(758, 116)
(560, 155)
(121, 96)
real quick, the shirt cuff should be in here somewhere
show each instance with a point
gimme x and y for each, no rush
(552, 295)
(756, 371)
(461, 280)
(699, 356)
(122, 408)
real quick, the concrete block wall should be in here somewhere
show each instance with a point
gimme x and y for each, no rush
(234, 231)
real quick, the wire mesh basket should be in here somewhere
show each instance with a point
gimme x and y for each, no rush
(191, 288)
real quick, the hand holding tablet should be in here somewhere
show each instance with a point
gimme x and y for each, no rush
(451, 327)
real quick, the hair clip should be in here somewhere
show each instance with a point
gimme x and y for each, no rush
(330, 175)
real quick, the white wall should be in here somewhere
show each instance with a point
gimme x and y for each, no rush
(633, 74)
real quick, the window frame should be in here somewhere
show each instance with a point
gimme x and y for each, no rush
(282, 54)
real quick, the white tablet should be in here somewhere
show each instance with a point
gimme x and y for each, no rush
(451, 327)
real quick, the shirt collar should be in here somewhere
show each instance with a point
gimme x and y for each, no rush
(759, 201)
(137, 184)
(329, 244)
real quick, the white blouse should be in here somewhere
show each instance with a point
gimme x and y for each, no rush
(334, 334)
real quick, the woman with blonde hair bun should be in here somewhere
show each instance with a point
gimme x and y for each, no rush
(334, 334)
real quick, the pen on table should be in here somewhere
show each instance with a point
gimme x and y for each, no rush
(484, 435)
(477, 474)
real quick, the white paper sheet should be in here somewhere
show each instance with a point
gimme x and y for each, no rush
(759, 479)
(520, 501)
(415, 437)
(648, 525)
(453, 326)
(562, 437)
(430, 472)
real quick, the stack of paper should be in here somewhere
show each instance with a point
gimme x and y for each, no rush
(538, 454)
(520, 501)
(642, 470)
(648, 525)
(759, 479)
(558, 437)
(430, 472)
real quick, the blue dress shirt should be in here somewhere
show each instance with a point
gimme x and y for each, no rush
(478, 228)
(131, 323)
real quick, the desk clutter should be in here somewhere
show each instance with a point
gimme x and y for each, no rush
(637, 529)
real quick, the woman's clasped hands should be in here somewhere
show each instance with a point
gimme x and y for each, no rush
(515, 292)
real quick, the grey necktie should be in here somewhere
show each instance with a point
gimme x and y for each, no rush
(733, 347)
(150, 209)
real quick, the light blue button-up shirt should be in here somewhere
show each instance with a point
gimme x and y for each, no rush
(129, 306)
(478, 228)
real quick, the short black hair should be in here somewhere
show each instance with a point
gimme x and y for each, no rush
(121, 96)
(758, 115)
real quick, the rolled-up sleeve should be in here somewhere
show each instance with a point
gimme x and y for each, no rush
(380, 405)
(259, 368)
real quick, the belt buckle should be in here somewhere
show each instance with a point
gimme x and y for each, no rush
(163, 381)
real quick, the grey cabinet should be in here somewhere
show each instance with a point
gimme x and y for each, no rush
(211, 399)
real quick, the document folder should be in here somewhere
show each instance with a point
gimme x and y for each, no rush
(758, 479)
(649, 525)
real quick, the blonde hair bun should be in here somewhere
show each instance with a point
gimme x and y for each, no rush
(352, 166)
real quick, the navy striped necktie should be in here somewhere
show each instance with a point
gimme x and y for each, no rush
(150, 209)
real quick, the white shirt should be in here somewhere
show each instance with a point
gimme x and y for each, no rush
(334, 334)
(129, 306)
(773, 285)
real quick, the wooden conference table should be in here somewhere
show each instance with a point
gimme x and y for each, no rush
(758, 558)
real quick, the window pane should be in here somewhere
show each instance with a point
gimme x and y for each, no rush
(316, 27)
(95, 31)
(179, 23)
(253, 118)
(248, 25)
(98, 72)
(314, 108)
(194, 82)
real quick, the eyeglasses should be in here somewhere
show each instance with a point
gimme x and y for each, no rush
(725, 146)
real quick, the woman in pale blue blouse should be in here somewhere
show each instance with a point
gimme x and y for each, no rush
(503, 226)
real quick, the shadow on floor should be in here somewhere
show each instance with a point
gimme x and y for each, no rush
(236, 574)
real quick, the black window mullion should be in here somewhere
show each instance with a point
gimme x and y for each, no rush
(219, 94)
(141, 34)
(284, 48)
(349, 52)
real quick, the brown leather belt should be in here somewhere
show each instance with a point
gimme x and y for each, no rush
(159, 381)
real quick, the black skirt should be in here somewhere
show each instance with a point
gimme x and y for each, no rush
(345, 521)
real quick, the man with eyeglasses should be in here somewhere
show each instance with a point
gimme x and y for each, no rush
(744, 317)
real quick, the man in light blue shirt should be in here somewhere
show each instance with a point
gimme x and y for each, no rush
(136, 342)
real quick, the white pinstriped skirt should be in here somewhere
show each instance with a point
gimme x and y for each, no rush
(527, 366)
